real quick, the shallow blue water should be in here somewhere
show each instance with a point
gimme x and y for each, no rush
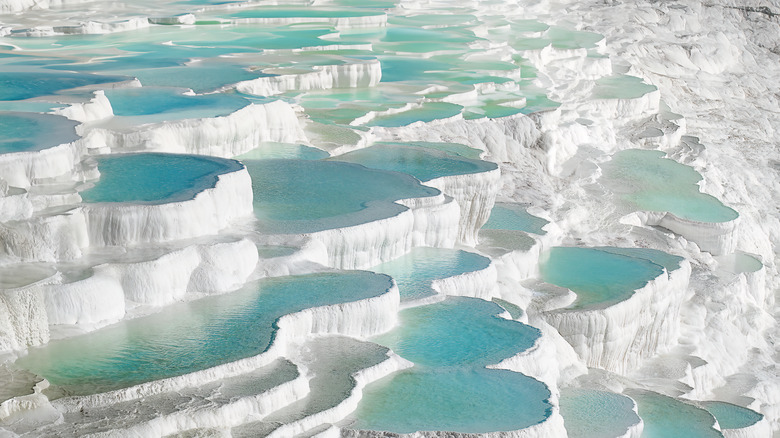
(601, 277)
(505, 216)
(423, 164)
(589, 413)
(192, 336)
(153, 178)
(665, 417)
(415, 271)
(731, 416)
(171, 104)
(458, 332)
(648, 181)
(621, 87)
(29, 84)
(426, 113)
(34, 132)
(469, 400)
(448, 388)
(295, 196)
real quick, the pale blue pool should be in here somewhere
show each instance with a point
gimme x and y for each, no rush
(589, 413)
(154, 178)
(171, 103)
(21, 132)
(423, 164)
(20, 85)
(458, 332)
(621, 87)
(731, 416)
(415, 271)
(192, 336)
(297, 196)
(603, 276)
(666, 417)
(645, 180)
(507, 216)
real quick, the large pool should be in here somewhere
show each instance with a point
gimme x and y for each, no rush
(154, 178)
(192, 336)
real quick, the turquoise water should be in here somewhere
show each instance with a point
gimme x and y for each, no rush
(192, 336)
(29, 84)
(646, 180)
(458, 332)
(739, 263)
(415, 271)
(34, 132)
(270, 151)
(467, 401)
(665, 417)
(171, 104)
(426, 113)
(276, 12)
(423, 164)
(731, 416)
(589, 413)
(457, 149)
(600, 276)
(200, 78)
(153, 178)
(332, 195)
(448, 388)
(506, 216)
(621, 87)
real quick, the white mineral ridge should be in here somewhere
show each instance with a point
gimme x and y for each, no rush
(211, 210)
(716, 238)
(360, 319)
(617, 338)
(392, 364)
(226, 136)
(112, 289)
(323, 77)
(23, 320)
(475, 193)
(431, 221)
(97, 108)
(478, 284)
(49, 238)
(26, 168)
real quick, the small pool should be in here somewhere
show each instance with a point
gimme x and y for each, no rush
(458, 332)
(415, 271)
(731, 416)
(428, 112)
(20, 132)
(449, 389)
(277, 12)
(621, 87)
(19, 85)
(508, 216)
(155, 178)
(423, 164)
(666, 417)
(645, 180)
(589, 413)
(192, 336)
(457, 400)
(605, 276)
(171, 103)
(298, 196)
(287, 151)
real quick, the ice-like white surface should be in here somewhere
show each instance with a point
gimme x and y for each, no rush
(210, 210)
(226, 136)
(618, 337)
(350, 74)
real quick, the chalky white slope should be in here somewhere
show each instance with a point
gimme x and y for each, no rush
(713, 104)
